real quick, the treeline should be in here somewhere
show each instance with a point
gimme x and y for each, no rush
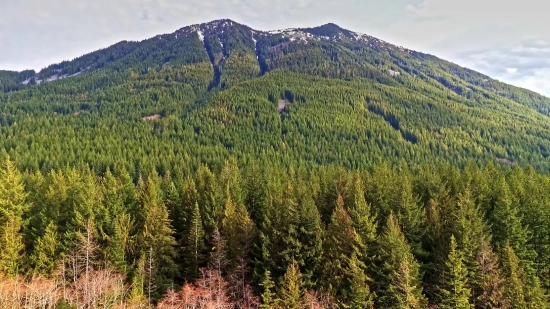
(261, 236)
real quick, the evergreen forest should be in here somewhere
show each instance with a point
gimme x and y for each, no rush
(225, 167)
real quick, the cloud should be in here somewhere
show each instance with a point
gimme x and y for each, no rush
(488, 35)
(526, 64)
(503, 39)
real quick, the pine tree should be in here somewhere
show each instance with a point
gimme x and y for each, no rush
(360, 213)
(454, 292)
(407, 209)
(310, 237)
(157, 239)
(137, 297)
(237, 229)
(515, 279)
(291, 289)
(255, 192)
(194, 249)
(118, 244)
(268, 296)
(358, 295)
(210, 199)
(471, 233)
(398, 282)
(342, 265)
(45, 256)
(11, 248)
(508, 227)
(13, 197)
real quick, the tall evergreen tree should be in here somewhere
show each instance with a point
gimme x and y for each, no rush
(291, 293)
(398, 282)
(515, 279)
(454, 291)
(157, 240)
(11, 248)
(310, 237)
(45, 256)
(118, 244)
(194, 246)
(360, 212)
(13, 197)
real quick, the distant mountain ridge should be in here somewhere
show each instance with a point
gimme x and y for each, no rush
(212, 78)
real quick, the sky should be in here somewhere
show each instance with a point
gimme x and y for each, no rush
(507, 40)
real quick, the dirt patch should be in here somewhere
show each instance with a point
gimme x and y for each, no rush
(152, 117)
(506, 161)
(282, 105)
(80, 112)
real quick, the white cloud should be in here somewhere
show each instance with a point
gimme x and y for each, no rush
(511, 34)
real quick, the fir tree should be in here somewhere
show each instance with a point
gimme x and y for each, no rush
(13, 197)
(310, 237)
(358, 295)
(194, 249)
(454, 292)
(397, 283)
(118, 244)
(268, 296)
(291, 293)
(44, 258)
(361, 213)
(11, 248)
(157, 238)
(515, 279)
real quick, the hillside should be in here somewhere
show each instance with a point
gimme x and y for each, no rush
(224, 167)
(353, 100)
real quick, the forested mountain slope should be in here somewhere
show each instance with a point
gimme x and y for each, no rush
(225, 167)
(218, 89)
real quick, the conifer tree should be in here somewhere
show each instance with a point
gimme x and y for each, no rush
(237, 229)
(507, 226)
(194, 249)
(118, 244)
(13, 197)
(268, 296)
(255, 192)
(342, 260)
(310, 237)
(157, 239)
(360, 212)
(11, 247)
(472, 233)
(45, 256)
(210, 200)
(515, 279)
(358, 294)
(291, 289)
(454, 291)
(398, 282)
(407, 210)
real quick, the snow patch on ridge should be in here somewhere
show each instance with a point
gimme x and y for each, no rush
(201, 35)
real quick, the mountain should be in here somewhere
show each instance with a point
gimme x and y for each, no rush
(224, 167)
(311, 95)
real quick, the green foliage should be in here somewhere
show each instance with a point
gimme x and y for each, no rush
(454, 292)
(291, 293)
(44, 258)
(398, 281)
(11, 248)
(292, 145)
